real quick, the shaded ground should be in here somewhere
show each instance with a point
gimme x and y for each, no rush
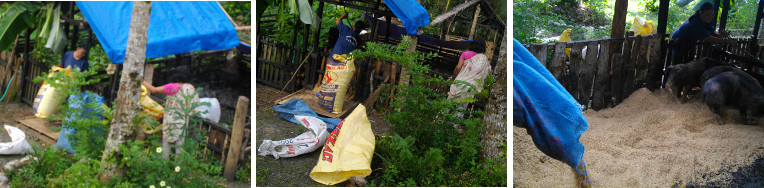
(9, 113)
(288, 171)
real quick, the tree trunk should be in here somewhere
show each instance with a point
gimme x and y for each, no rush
(495, 119)
(129, 88)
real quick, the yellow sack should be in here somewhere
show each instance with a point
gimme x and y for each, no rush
(46, 102)
(641, 27)
(150, 108)
(565, 37)
(335, 83)
(348, 150)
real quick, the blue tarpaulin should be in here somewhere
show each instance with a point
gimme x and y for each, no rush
(546, 110)
(79, 102)
(174, 27)
(411, 13)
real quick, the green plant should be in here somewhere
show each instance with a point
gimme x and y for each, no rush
(51, 162)
(87, 118)
(81, 174)
(239, 10)
(244, 173)
(422, 120)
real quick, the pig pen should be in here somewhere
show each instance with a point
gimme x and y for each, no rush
(651, 140)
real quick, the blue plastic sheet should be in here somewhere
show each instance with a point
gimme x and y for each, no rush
(174, 27)
(78, 101)
(411, 13)
(546, 110)
(297, 107)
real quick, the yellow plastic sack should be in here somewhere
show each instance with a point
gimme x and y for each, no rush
(150, 108)
(46, 102)
(640, 27)
(348, 150)
(565, 37)
(335, 83)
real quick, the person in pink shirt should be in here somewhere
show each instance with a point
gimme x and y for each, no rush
(473, 67)
(174, 123)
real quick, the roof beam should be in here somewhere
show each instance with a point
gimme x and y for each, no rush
(452, 12)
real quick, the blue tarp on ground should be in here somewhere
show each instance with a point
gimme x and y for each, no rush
(297, 107)
(546, 110)
(411, 13)
(174, 27)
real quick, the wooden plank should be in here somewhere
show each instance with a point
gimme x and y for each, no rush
(236, 137)
(39, 128)
(587, 72)
(641, 62)
(39, 125)
(629, 67)
(623, 70)
(602, 76)
(557, 67)
(574, 71)
(654, 67)
(540, 52)
(617, 83)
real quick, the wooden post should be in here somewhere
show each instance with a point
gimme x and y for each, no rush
(619, 18)
(587, 73)
(717, 3)
(725, 13)
(25, 68)
(574, 71)
(654, 68)
(557, 66)
(628, 66)
(757, 24)
(234, 149)
(663, 8)
(617, 83)
(602, 76)
(474, 22)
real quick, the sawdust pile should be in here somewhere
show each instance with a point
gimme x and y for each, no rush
(649, 140)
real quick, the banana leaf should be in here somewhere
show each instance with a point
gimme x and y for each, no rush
(307, 15)
(46, 24)
(15, 20)
(292, 6)
(57, 39)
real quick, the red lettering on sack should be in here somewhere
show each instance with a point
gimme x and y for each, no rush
(305, 121)
(327, 157)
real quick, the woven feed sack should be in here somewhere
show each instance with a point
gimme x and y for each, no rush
(348, 150)
(46, 102)
(150, 108)
(334, 86)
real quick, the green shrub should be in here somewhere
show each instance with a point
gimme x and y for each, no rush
(423, 148)
(51, 163)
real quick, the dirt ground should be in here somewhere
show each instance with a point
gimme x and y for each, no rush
(651, 140)
(293, 171)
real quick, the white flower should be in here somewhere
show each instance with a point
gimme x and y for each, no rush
(159, 149)
(177, 168)
(162, 183)
(152, 186)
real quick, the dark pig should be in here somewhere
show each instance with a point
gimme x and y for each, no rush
(735, 89)
(716, 70)
(681, 78)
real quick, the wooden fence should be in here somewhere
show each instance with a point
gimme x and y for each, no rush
(276, 63)
(601, 73)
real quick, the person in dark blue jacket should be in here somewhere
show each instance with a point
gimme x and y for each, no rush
(698, 27)
(348, 38)
(76, 59)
